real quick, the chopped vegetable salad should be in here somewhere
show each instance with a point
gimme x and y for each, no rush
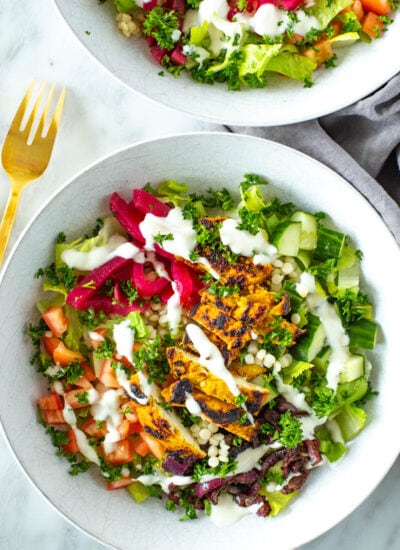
(244, 42)
(205, 351)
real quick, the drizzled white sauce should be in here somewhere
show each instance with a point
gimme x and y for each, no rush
(174, 309)
(244, 243)
(215, 12)
(227, 512)
(210, 357)
(124, 339)
(81, 439)
(191, 404)
(106, 409)
(336, 335)
(116, 246)
(184, 236)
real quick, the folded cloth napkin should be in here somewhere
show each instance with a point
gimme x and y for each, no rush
(355, 142)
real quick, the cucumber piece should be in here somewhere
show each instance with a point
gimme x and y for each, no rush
(348, 278)
(363, 334)
(330, 244)
(309, 229)
(351, 421)
(304, 258)
(321, 361)
(286, 238)
(138, 491)
(353, 368)
(309, 345)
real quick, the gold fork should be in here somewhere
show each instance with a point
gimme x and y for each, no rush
(23, 161)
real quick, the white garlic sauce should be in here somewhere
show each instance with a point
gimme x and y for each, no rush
(106, 409)
(244, 243)
(81, 439)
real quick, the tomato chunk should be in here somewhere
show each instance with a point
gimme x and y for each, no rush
(53, 417)
(50, 402)
(107, 375)
(122, 453)
(77, 398)
(64, 356)
(372, 25)
(155, 446)
(72, 445)
(380, 7)
(56, 320)
(94, 428)
(119, 483)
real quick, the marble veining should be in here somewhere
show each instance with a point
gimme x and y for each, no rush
(100, 116)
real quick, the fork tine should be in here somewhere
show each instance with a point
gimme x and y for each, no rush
(32, 117)
(19, 115)
(52, 131)
(42, 122)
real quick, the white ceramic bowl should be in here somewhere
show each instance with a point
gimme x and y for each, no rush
(361, 69)
(201, 160)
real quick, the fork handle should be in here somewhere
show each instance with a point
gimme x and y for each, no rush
(8, 221)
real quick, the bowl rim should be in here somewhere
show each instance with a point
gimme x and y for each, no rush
(203, 135)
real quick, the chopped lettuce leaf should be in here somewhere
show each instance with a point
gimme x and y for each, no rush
(253, 199)
(58, 300)
(351, 420)
(124, 6)
(74, 332)
(325, 11)
(333, 450)
(256, 57)
(199, 33)
(138, 324)
(278, 501)
(345, 39)
(293, 65)
(348, 392)
(173, 191)
(294, 370)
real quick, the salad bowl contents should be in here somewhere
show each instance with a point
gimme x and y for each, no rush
(242, 43)
(270, 51)
(207, 351)
(240, 392)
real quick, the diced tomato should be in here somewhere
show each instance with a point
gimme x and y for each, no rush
(83, 383)
(64, 356)
(107, 375)
(155, 446)
(135, 427)
(122, 453)
(357, 8)
(77, 398)
(141, 447)
(119, 483)
(72, 445)
(50, 402)
(372, 25)
(53, 417)
(56, 320)
(320, 52)
(50, 343)
(123, 428)
(379, 7)
(89, 374)
(94, 428)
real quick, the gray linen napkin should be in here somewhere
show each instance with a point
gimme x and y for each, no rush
(356, 142)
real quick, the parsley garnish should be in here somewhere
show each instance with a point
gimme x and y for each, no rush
(291, 433)
(161, 24)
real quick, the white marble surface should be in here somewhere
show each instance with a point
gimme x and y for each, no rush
(100, 116)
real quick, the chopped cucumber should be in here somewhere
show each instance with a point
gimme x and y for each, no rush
(353, 368)
(138, 491)
(363, 334)
(286, 238)
(321, 360)
(330, 244)
(304, 258)
(309, 345)
(309, 229)
(348, 278)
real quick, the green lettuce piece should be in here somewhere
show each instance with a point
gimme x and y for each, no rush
(256, 57)
(292, 65)
(351, 420)
(58, 300)
(199, 33)
(138, 491)
(325, 11)
(333, 450)
(74, 332)
(278, 501)
(174, 191)
(294, 370)
(253, 199)
(349, 392)
(124, 6)
(60, 289)
(138, 324)
(345, 39)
